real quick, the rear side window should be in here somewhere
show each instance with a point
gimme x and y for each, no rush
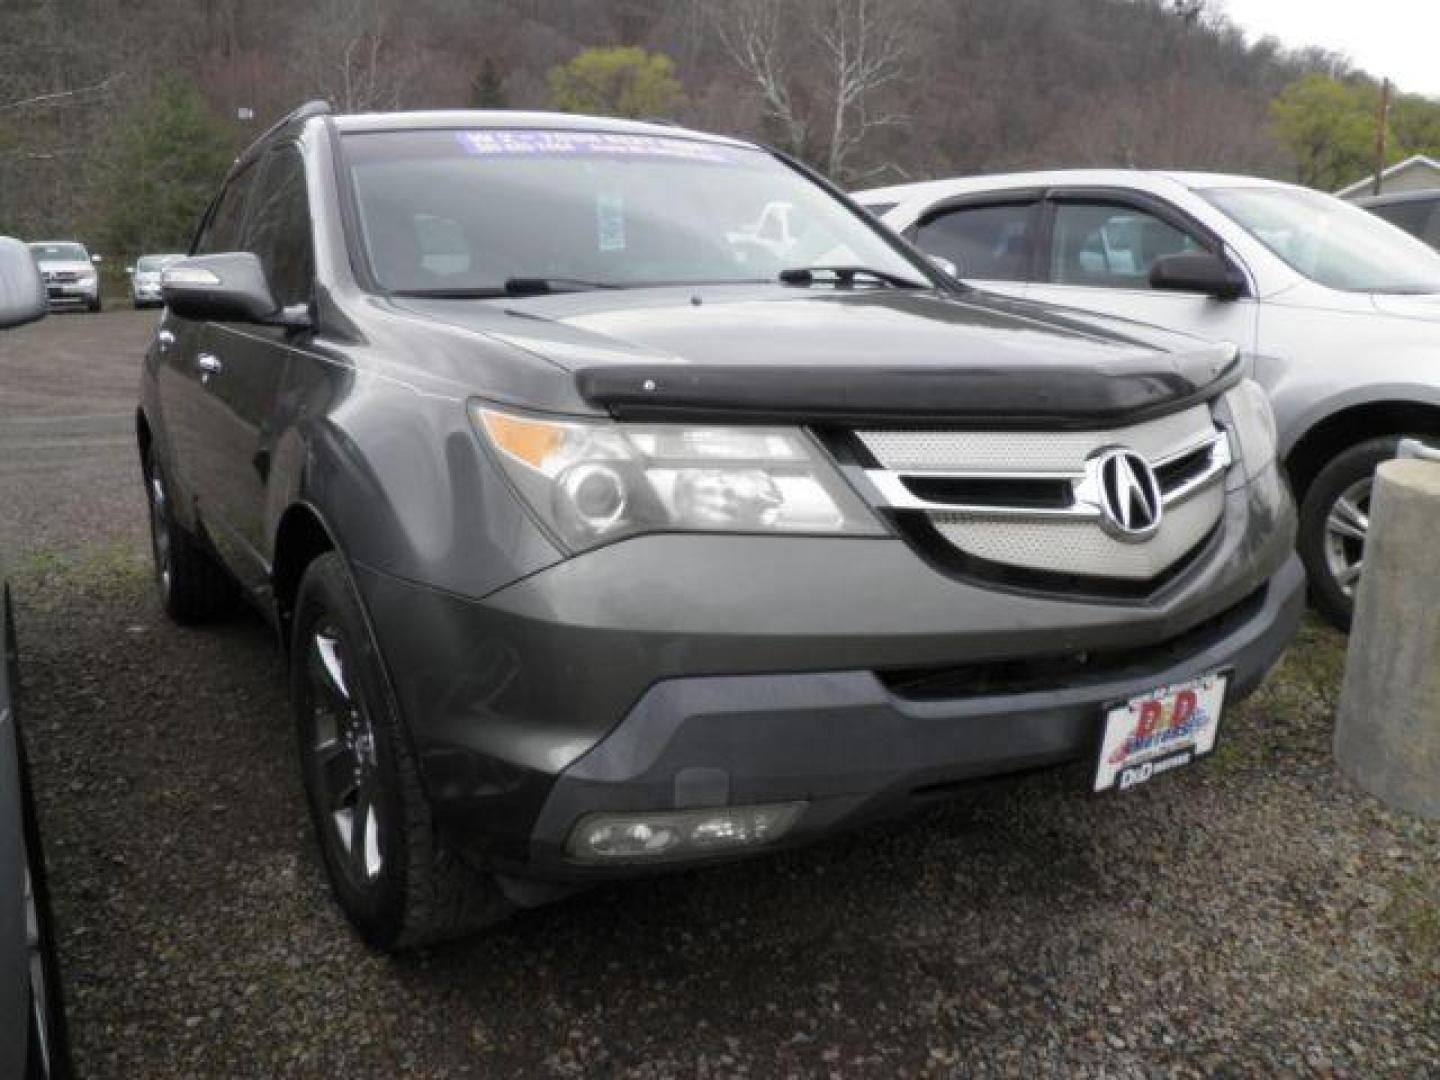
(991, 242)
(279, 232)
(1419, 217)
(222, 229)
(1111, 246)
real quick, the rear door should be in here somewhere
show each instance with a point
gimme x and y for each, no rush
(991, 241)
(246, 366)
(1097, 248)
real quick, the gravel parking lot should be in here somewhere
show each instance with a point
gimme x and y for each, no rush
(1255, 915)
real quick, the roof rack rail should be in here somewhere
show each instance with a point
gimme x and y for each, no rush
(316, 107)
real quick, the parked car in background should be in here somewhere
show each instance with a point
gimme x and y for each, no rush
(33, 1043)
(1337, 314)
(71, 277)
(145, 279)
(1417, 212)
(613, 542)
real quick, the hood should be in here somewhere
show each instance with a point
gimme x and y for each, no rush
(74, 266)
(818, 354)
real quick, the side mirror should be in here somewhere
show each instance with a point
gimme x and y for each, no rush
(130, 269)
(1197, 273)
(946, 266)
(22, 289)
(221, 288)
(96, 259)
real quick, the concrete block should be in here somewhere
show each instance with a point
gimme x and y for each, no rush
(1387, 733)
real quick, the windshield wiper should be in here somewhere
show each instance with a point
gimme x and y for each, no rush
(515, 286)
(450, 294)
(845, 276)
(538, 286)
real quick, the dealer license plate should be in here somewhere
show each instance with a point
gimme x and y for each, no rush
(1160, 731)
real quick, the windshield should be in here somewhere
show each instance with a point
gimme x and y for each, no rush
(60, 252)
(468, 211)
(155, 262)
(1330, 241)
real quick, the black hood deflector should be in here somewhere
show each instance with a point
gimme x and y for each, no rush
(1048, 396)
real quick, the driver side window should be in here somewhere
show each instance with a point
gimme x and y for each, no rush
(1110, 245)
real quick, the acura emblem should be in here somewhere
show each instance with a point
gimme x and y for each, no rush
(1129, 494)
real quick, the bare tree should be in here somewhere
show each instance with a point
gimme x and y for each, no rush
(355, 57)
(866, 46)
(834, 56)
(753, 34)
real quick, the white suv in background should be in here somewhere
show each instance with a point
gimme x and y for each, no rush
(70, 272)
(1336, 312)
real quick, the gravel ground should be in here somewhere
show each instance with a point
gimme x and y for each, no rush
(1253, 916)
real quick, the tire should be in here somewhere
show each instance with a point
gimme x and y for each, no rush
(93, 306)
(395, 879)
(1334, 515)
(194, 588)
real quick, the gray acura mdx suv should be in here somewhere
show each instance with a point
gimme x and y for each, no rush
(605, 539)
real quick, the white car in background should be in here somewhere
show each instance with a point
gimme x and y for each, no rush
(145, 279)
(70, 273)
(1336, 311)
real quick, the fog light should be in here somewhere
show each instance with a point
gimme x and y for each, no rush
(646, 836)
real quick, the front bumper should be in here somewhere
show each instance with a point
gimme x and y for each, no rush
(667, 672)
(72, 292)
(855, 750)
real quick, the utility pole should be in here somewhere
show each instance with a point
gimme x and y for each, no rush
(1381, 125)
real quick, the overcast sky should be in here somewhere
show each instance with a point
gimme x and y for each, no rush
(1395, 38)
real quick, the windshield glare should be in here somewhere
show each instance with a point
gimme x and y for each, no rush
(1330, 241)
(468, 210)
(60, 252)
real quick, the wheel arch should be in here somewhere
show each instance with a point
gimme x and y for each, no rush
(1354, 424)
(301, 537)
(144, 437)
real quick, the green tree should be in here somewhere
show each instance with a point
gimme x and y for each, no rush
(623, 81)
(166, 160)
(1415, 122)
(1328, 127)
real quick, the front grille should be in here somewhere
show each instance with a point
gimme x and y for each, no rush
(1043, 503)
(1081, 547)
(62, 276)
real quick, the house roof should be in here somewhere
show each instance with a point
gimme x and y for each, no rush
(1389, 171)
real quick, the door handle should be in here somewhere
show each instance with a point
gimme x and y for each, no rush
(209, 364)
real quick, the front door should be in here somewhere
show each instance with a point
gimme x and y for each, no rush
(1097, 257)
(243, 370)
(181, 382)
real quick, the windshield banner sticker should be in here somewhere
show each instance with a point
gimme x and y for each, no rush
(504, 143)
(610, 221)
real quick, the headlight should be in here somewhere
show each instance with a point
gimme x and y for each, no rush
(1253, 423)
(593, 482)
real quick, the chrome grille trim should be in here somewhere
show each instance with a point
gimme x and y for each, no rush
(1045, 501)
(1011, 453)
(895, 494)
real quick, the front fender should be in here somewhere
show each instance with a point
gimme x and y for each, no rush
(405, 488)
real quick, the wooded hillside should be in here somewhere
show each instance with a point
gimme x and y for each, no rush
(117, 117)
